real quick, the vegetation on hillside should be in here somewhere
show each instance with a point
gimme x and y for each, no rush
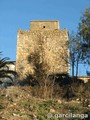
(4, 70)
(41, 95)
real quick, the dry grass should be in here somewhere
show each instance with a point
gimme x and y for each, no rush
(17, 103)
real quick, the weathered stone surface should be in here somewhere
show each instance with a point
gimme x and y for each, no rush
(46, 40)
(44, 24)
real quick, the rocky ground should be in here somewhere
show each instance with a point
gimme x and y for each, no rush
(17, 103)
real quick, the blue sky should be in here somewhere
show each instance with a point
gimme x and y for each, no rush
(17, 14)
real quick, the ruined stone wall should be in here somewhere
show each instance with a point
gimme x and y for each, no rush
(49, 44)
(44, 24)
(85, 79)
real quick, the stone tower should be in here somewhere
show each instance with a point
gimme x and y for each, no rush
(46, 40)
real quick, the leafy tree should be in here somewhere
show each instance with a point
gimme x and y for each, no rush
(75, 52)
(84, 32)
(4, 71)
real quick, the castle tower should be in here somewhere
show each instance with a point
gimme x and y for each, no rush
(44, 42)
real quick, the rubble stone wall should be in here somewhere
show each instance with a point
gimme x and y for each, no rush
(49, 44)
